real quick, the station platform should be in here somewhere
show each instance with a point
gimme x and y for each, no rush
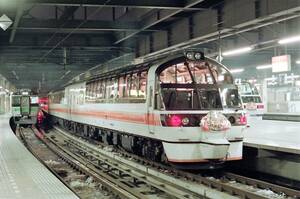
(273, 135)
(21, 174)
(293, 117)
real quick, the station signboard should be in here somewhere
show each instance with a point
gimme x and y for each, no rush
(281, 63)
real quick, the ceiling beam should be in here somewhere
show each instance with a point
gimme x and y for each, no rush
(67, 14)
(150, 4)
(38, 40)
(18, 17)
(156, 18)
(88, 26)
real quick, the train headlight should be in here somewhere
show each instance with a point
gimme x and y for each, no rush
(215, 121)
(198, 56)
(175, 120)
(190, 55)
(185, 121)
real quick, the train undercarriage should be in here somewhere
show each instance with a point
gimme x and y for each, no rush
(149, 148)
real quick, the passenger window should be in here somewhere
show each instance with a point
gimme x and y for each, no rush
(142, 84)
(102, 89)
(98, 90)
(134, 86)
(180, 74)
(121, 87)
(168, 75)
(109, 89)
(93, 91)
(128, 84)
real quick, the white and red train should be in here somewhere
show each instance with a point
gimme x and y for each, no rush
(155, 109)
(250, 98)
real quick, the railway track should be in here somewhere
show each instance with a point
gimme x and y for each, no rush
(135, 180)
(73, 175)
(164, 180)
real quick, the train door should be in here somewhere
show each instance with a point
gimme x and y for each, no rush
(150, 100)
(68, 102)
(25, 106)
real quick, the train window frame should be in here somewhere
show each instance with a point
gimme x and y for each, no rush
(215, 102)
(122, 94)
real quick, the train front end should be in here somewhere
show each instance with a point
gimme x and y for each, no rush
(199, 111)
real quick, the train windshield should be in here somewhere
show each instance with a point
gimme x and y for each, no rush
(249, 99)
(194, 85)
(247, 89)
(16, 100)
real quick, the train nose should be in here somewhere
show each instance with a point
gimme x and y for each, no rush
(215, 121)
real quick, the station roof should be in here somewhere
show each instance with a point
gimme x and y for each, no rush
(52, 41)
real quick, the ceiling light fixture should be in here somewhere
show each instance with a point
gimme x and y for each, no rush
(238, 70)
(289, 40)
(237, 51)
(5, 22)
(298, 62)
(264, 67)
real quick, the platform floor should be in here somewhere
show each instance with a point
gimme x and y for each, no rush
(273, 135)
(21, 174)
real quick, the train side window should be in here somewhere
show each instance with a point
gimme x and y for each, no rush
(168, 75)
(87, 93)
(98, 91)
(121, 87)
(110, 89)
(142, 89)
(134, 85)
(94, 90)
(128, 84)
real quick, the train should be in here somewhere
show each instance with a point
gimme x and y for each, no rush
(24, 108)
(250, 98)
(183, 110)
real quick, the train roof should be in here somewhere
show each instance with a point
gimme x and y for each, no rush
(131, 68)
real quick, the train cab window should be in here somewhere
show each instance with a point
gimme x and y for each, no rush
(16, 101)
(231, 98)
(245, 88)
(189, 85)
(253, 99)
(183, 74)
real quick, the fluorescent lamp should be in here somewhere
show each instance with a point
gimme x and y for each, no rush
(238, 70)
(264, 67)
(270, 78)
(289, 40)
(5, 22)
(292, 76)
(237, 51)
(298, 62)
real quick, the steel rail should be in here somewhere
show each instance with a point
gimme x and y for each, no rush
(215, 184)
(133, 176)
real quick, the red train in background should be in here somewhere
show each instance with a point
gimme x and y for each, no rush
(43, 102)
(43, 105)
